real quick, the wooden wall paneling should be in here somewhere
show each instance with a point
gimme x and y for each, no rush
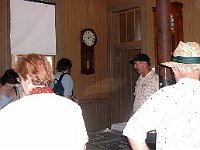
(1, 32)
(5, 36)
(150, 29)
(191, 14)
(96, 114)
(79, 15)
(60, 36)
(113, 77)
(101, 50)
(187, 21)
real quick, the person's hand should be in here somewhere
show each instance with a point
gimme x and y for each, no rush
(75, 99)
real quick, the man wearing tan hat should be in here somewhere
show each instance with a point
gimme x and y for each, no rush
(173, 111)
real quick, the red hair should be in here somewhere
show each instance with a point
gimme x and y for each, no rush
(37, 67)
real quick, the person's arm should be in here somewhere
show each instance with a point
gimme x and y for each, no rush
(137, 146)
(84, 147)
(4, 101)
(75, 99)
(144, 120)
(67, 84)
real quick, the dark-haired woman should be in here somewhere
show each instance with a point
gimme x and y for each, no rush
(9, 91)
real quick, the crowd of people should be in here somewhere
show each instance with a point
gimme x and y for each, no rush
(40, 119)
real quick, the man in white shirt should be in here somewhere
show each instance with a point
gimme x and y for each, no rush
(173, 111)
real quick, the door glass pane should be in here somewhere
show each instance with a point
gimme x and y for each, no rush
(122, 27)
(137, 25)
(130, 26)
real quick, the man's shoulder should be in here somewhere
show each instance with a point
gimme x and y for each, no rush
(165, 91)
(153, 73)
(45, 101)
(152, 76)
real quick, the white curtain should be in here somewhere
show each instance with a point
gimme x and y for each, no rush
(32, 28)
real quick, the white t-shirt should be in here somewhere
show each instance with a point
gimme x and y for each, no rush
(42, 122)
(174, 111)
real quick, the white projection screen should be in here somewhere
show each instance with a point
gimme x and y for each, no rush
(32, 28)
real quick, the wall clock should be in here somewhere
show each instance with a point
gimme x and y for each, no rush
(88, 41)
(89, 37)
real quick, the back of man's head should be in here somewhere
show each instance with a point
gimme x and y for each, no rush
(186, 60)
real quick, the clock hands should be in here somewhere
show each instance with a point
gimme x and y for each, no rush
(89, 38)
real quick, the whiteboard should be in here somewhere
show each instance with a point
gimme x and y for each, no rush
(32, 28)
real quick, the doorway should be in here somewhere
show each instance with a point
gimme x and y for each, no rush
(125, 42)
(127, 79)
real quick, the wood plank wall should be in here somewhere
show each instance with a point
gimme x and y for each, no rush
(77, 15)
(5, 57)
(96, 113)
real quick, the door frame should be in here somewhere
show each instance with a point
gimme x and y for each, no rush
(112, 42)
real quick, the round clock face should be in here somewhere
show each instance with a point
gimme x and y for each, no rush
(89, 38)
